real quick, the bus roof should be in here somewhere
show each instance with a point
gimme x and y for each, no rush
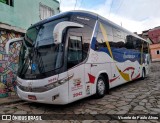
(63, 14)
(84, 13)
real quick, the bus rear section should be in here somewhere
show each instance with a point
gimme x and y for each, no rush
(118, 55)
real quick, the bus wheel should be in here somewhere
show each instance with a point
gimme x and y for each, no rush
(100, 87)
(143, 74)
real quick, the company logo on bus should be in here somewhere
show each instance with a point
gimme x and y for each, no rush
(125, 56)
(30, 86)
(52, 80)
(77, 84)
(83, 18)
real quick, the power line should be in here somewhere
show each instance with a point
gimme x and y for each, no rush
(75, 5)
(110, 8)
(119, 6)
(84, 5)
(80, 3)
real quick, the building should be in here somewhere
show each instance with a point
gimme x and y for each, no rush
(154, 35)
(145, 36)
(155, 52)
(15, 17)
(23, 13)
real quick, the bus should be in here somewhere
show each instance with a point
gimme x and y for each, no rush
(77, 54)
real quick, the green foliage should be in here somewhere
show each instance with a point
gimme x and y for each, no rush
(3, 1)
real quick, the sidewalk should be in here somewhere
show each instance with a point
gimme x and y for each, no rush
(10, 100)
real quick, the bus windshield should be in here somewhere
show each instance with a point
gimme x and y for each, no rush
(39, 54)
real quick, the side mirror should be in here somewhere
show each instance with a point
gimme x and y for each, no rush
(12, 41)
(57, 32)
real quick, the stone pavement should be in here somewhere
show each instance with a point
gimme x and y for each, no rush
(137, 97)
(10, 100)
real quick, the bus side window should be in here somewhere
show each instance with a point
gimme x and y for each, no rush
(138, 45)
(100, 43)
(74, 51)
(129, 42)
(85, 50)
(145, 47)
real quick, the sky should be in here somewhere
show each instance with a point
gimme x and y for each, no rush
(134, 15)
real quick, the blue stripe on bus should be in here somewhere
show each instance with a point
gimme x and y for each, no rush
(123, 54)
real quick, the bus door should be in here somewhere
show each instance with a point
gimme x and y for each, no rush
(146, 56)
(75, 65)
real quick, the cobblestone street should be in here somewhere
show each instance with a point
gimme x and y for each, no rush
(138, 97)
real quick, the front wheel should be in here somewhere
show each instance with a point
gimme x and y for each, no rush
(100, 87)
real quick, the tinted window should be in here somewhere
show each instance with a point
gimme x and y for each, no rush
(145, 47)
(100, 41)
(119, 39)
(42, 34)
(130, 42)
(74, 51)
(86, 32)
(44, 56)
(138, 45)
(135, 44)
(114, 38)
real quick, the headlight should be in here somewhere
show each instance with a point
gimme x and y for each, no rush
(46, 87)
(56, 84)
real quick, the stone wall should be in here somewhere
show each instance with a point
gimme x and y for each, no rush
(8, 63)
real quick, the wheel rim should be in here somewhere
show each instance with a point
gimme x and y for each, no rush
(101, 87)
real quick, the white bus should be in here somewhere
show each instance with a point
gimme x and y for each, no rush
(77, 54)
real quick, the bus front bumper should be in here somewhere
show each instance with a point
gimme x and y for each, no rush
(58, 95)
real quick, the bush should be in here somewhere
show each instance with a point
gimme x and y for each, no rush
(3, 1)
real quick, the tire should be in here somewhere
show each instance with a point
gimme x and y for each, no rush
(100, 87)
(143, 74)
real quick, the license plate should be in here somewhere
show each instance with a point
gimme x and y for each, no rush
(32, 97)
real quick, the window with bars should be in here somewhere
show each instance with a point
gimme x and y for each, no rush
(8, 2)
(45, 11)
